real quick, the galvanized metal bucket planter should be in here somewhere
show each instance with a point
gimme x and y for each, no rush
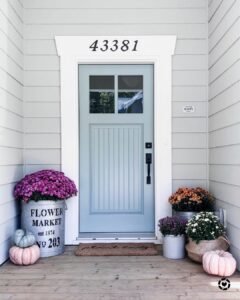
(46, 220)
(187, 215)
(174, 246)
(184, 215)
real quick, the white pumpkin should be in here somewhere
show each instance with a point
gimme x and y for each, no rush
(23, 238)
(219, 263)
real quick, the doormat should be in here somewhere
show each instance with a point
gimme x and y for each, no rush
(115, 249)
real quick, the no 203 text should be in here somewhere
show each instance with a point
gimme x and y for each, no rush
(106, 45)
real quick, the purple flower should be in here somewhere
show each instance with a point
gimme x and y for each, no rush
(45, 185)
(172, 226)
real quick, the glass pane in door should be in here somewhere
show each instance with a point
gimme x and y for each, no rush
(101, 94)
(130, 94)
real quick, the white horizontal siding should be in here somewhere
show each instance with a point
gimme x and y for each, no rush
(226, 79)
(222, 191)
(183, 31)
(225, 173)
(12, 15)
(224, 112)
(42, 156)
(92, 4)
(227, 59)
(189, 93)
(11, 84)
(9, 174)
(227, 22)
(11, 120)
(42, 125)
(189, 172)
(6, 190)
(189, 156)
(10, 49)
(230, 37)
(186, 125)
(11, 138)
(11, 117)
(225, 99)
(73, 16)
(34, 168)
(225, 117)
(189, 140)
(225, 136)
(10, 156)
(189, 183)
(9, 211)
(184, 18)
(11, 67)
(41, 94)
(42, 141)
(10, 30)
(226, 155)
(220, 14)
(42, 110)
(10, 102)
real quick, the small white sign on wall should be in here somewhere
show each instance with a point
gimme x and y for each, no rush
(188, 109)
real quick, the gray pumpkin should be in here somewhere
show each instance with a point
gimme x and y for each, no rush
(23, 238)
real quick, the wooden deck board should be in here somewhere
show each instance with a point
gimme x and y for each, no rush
(111, 278)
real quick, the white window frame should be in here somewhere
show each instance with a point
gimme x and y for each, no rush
(156, 50)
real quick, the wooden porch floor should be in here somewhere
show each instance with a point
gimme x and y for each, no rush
(111, 278)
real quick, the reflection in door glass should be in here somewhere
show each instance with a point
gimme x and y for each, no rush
(130, 94)
(101, 94)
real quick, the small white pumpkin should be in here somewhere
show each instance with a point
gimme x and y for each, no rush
(219, 263)
(23, 238)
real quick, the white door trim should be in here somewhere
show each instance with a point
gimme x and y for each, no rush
(156, 50)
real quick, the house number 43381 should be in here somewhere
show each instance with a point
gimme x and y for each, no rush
(106, 45)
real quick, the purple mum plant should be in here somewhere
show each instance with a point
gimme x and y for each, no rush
(45, 185)
(172, 226)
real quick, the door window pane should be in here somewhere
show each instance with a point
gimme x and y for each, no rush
(130, 94)
(101, 94)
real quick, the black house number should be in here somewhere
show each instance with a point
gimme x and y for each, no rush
(106, 45)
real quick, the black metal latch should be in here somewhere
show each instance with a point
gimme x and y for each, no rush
(148, 162)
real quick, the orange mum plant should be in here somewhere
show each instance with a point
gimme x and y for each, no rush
(192, 199)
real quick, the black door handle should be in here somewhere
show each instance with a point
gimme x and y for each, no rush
(148, 162)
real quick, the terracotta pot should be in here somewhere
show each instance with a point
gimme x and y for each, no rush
(195, 251)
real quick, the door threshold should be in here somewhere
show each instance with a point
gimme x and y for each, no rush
(117, 240)
(117, 235)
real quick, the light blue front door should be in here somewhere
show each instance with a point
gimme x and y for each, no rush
(116, 149)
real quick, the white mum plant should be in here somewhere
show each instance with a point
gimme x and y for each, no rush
(204, 226)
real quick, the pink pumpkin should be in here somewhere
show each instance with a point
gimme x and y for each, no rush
(219, 263)
(24, 256)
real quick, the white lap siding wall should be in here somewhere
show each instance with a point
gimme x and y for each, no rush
(224, 112)
(187, 19)
(11, 116)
